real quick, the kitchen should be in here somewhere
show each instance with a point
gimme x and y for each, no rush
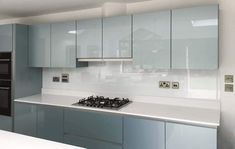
(78, 52)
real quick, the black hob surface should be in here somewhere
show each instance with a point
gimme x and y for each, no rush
(103, 102)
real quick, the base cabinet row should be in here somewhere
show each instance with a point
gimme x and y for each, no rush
(96, 130)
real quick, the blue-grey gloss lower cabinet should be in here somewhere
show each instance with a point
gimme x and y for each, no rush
(6, 38)
(179, 136)
(195, 38)
(90, 143)
(6, 123)
(143, 134)
(25, 119)
(101, 126)
(50, 123)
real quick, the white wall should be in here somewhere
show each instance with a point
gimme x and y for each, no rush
(227, 49)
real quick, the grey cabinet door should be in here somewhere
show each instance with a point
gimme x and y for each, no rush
(151, 40)
(6, 38)
(195, 38)
(143, 134)
(89, 38)
(40, 45)
(6, 123)
(90, 143)
(180, 136)
(117, 36)
(50, 123)
(25, 119)
(101, 126)
(63, 44)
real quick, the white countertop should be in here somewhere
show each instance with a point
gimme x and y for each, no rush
(171, 113)
(11, 140)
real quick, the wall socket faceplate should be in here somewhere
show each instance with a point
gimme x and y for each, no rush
(65, 77)
(55, 79)
(164, 84)
(175, 85)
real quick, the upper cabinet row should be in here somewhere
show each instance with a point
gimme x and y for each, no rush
(178, 39)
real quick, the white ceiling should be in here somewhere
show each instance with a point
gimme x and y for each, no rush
(23, 8)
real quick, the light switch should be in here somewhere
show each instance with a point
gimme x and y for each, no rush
(65, 78)
(228, 78)
(228, 87)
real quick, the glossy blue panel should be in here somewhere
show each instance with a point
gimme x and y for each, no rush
(63, 44)
(6, 38)
(25, 119)
(195, 38)
(93, 125)
(117, 37)
(89, 38)
(180, 136)
(39, 45)
(90, 143)
(143, 134)
(50, 123)
(151, 40)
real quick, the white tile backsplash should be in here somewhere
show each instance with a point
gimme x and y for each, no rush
(121, 79)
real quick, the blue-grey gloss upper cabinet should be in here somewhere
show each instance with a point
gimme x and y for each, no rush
(143, 134)
(39, 45)
(180, 136)
(117, 37)
(93, 125)
(6, 38)
(50, 123)
(195, 38)
(89, 38)
(151, 40)
(25, 119)
(90, 143)
(63, 44)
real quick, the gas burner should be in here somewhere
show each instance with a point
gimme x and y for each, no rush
(103, 102)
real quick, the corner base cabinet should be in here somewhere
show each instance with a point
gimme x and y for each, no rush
(179, 136)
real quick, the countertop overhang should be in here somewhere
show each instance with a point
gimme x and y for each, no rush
(162, 112)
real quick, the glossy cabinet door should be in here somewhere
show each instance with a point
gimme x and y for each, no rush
(93, 125)
(39, 45)
(151, 40)
(63, 44)
(89, 38)
(6, 123)
(143, 134)
(179, 136)
(50, 123)
(117, 37)
(6, 38)
(195, 38)
(25, 119)
(90, 143)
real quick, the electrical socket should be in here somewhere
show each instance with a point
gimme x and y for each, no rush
(65, 78)
(164, 84)
(175, 85)
(55, 79)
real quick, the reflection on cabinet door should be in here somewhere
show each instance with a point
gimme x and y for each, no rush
(39, 45)
(63, 42)
(195, 38)
(179, 136)
(117, 37)
(6, 39)
(143, 134)
(151, 40)
(89, 38)
(25, 119)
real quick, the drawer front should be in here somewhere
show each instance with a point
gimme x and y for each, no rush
(89, 143)
(93, 125)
